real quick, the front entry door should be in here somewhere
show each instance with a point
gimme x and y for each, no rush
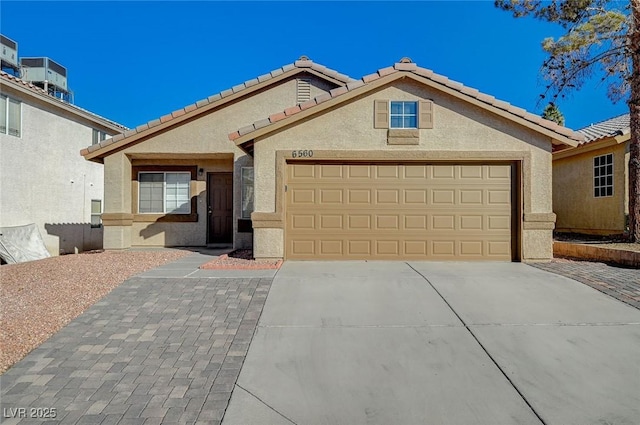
(220, 207)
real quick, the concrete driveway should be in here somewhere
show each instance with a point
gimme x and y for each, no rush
(438, 343)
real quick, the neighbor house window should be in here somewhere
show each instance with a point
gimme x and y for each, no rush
(247, 192)
(96, 212)
(603, 175)
(403, 115)
(10, 116)
(166, 193)
(98, 136)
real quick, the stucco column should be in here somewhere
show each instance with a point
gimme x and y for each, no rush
(117, 218)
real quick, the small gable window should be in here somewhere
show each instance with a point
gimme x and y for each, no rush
(603, 176)
(397, 114)
(403, 115)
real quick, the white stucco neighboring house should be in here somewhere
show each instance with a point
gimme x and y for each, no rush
(43, 180)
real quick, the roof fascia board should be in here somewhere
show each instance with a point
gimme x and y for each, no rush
(586, 148)
(136, 136)
(505, 114)
(59, 105)
(387, 80)
(314, 110)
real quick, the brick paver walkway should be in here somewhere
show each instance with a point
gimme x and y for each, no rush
(618, 282)
(153, 351)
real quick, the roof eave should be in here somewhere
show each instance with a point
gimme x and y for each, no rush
(592, 145)
(556, 138)
(190, 112)
(56, 103)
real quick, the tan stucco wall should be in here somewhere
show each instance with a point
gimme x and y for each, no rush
(460, 131)
(193, 143)
(576, 208)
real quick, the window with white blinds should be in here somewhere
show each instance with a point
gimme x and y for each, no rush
(10, 116)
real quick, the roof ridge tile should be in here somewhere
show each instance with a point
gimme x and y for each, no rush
(405, 66)
(437, 78)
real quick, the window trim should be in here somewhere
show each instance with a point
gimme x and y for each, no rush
(98, 136)
(599, 187)
(92, 214)
(7, 99)
(163, 217)
(424, 113)
(164, 192)
(242, 187)
(403, 115)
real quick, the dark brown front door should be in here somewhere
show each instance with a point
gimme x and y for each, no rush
(220, 207)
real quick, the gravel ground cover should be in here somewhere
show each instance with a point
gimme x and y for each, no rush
(38, 298)
(240, 259)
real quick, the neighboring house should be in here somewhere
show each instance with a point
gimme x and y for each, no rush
(591, 181)
(401, 164)
(43, 179)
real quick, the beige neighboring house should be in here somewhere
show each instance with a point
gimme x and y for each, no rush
(43, 180)
(401, 164)
(591, 181)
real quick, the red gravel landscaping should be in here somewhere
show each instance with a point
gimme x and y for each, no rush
(241, 259)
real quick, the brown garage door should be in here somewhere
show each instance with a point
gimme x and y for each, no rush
(398, 211)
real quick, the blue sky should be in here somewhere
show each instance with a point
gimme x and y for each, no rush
(133, 62)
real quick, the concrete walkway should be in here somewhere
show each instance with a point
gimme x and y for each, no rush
(440, 343)
(165, 347)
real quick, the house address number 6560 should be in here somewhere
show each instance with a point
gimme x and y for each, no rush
(302, 154)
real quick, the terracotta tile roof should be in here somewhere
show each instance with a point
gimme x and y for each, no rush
(301, 64)
(406, 66)
(612, 127)
(41, 92)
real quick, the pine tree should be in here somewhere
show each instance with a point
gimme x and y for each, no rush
(552, 113)
(602, 39)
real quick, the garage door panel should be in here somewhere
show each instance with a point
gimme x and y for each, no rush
(331, 222)
(331, 171)
(359, 248)
(331, 247)
(359, 171)
(443, 196)
(303, 196)
(396, 211)
(330, 196)
(301, 171)
(388, 222)
(446, 172)
(359, 196)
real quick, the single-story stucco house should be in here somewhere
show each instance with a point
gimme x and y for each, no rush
(591, 181)
(401, 164)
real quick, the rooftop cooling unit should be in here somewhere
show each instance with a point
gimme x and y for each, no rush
(44, 70)
(9, 53)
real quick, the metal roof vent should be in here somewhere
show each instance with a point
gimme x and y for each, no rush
(303, 90)
(406, 60)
